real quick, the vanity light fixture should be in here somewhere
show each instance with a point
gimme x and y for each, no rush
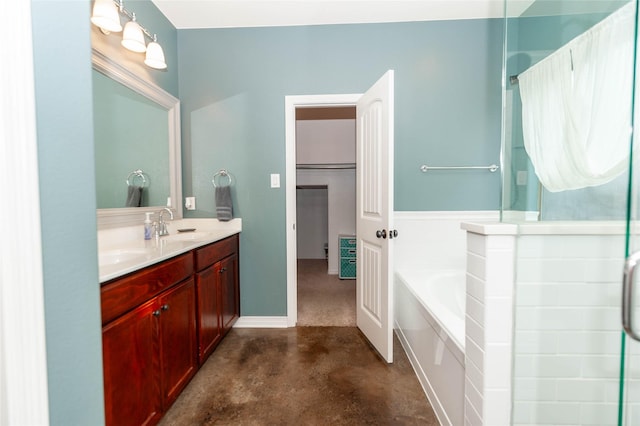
(132, 36)
(106, 16)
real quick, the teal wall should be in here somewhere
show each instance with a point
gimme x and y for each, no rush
(62, 64)
(232, 87)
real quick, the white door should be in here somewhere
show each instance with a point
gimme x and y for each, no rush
(374, 215)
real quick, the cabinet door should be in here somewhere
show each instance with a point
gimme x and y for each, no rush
(208, 295)
(177, 336)
(129, 347)
(230, 291)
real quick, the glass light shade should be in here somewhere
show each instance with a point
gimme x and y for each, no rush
(132, 37)
(155, 56)
(105, 15)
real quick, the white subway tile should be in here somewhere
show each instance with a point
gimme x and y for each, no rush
(522, 413)
(523, 366)
(497, 407)
(580, 390)
(604, 270)
(501, 242)
(498, 314)
(556, 366)
(588, 294)
(599, 414)
(600, 367)
(474, 396)
(474, 375)
(475, 287)
(537, 294)
(476, 244)
(473, 353)
(536, 342)
(499, 272)
(602, 319)
(474, 331)
(497, 367)
(534, 318)
(571, 246)
(471, 414)
(534, 389)
(476, 265)
(545, 270)
(558, 413)
(475, 309)
(589, 342)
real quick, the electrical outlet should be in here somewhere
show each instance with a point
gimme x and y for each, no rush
(275, 180)
(190, 203)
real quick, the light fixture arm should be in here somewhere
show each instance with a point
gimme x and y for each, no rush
(132, 17)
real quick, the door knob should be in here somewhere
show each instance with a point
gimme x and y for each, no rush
(393, 233)
(381, 234)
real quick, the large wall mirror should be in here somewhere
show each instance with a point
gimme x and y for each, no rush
(137, 145)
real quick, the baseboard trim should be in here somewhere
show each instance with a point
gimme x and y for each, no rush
(261, 322)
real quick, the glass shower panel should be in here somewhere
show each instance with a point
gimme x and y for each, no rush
(532, 34)
(567, 335)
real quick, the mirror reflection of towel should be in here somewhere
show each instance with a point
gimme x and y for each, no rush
(134, 196)
(224, 204)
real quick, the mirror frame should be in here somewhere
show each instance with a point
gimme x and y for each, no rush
(126, 216)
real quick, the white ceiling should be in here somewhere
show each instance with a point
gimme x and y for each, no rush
(185, 14)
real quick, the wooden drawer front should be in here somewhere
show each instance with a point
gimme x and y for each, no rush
(208, 255)
(123, 294)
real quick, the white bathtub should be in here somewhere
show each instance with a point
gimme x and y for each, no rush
(430, 317)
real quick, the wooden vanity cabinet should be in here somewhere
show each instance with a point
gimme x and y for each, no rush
(217, 290)
(160, 323)
(149, 349)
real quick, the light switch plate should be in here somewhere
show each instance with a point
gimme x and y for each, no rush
(190, 203)
(275, 180)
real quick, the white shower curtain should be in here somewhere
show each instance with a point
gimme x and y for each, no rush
(576, 106)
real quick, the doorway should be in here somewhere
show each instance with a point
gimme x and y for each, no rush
(292, 105)
(325, 211)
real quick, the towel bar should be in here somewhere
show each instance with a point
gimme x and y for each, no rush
(492, 168)
(222, 173)
(136, 174)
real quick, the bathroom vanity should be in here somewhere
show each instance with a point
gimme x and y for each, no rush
(162, 317)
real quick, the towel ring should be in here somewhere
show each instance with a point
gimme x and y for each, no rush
(136, 174)
(222, 173)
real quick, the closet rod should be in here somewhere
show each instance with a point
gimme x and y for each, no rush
(334, 166)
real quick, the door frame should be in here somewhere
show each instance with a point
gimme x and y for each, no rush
(290, 105)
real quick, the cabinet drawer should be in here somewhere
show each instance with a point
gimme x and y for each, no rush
(347, 268)
(348, 252)
(123, 294)
(347, 242)
(208, 255)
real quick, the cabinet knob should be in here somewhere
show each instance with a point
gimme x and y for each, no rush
(223, 270)
(156, 313)
(165, 307)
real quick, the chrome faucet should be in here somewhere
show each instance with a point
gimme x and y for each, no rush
(161, 229)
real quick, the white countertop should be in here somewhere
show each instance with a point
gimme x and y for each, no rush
(124, 250)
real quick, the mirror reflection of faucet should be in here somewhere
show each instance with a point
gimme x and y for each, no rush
(161, 226)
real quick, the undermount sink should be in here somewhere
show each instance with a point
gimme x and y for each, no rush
(188, 236)
(113, 257)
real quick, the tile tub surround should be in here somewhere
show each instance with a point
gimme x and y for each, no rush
(130, 239)
(565, 339)
(432, 240)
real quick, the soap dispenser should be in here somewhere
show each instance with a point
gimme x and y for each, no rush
(148, 226)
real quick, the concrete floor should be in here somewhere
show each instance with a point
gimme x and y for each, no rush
(301, 376)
